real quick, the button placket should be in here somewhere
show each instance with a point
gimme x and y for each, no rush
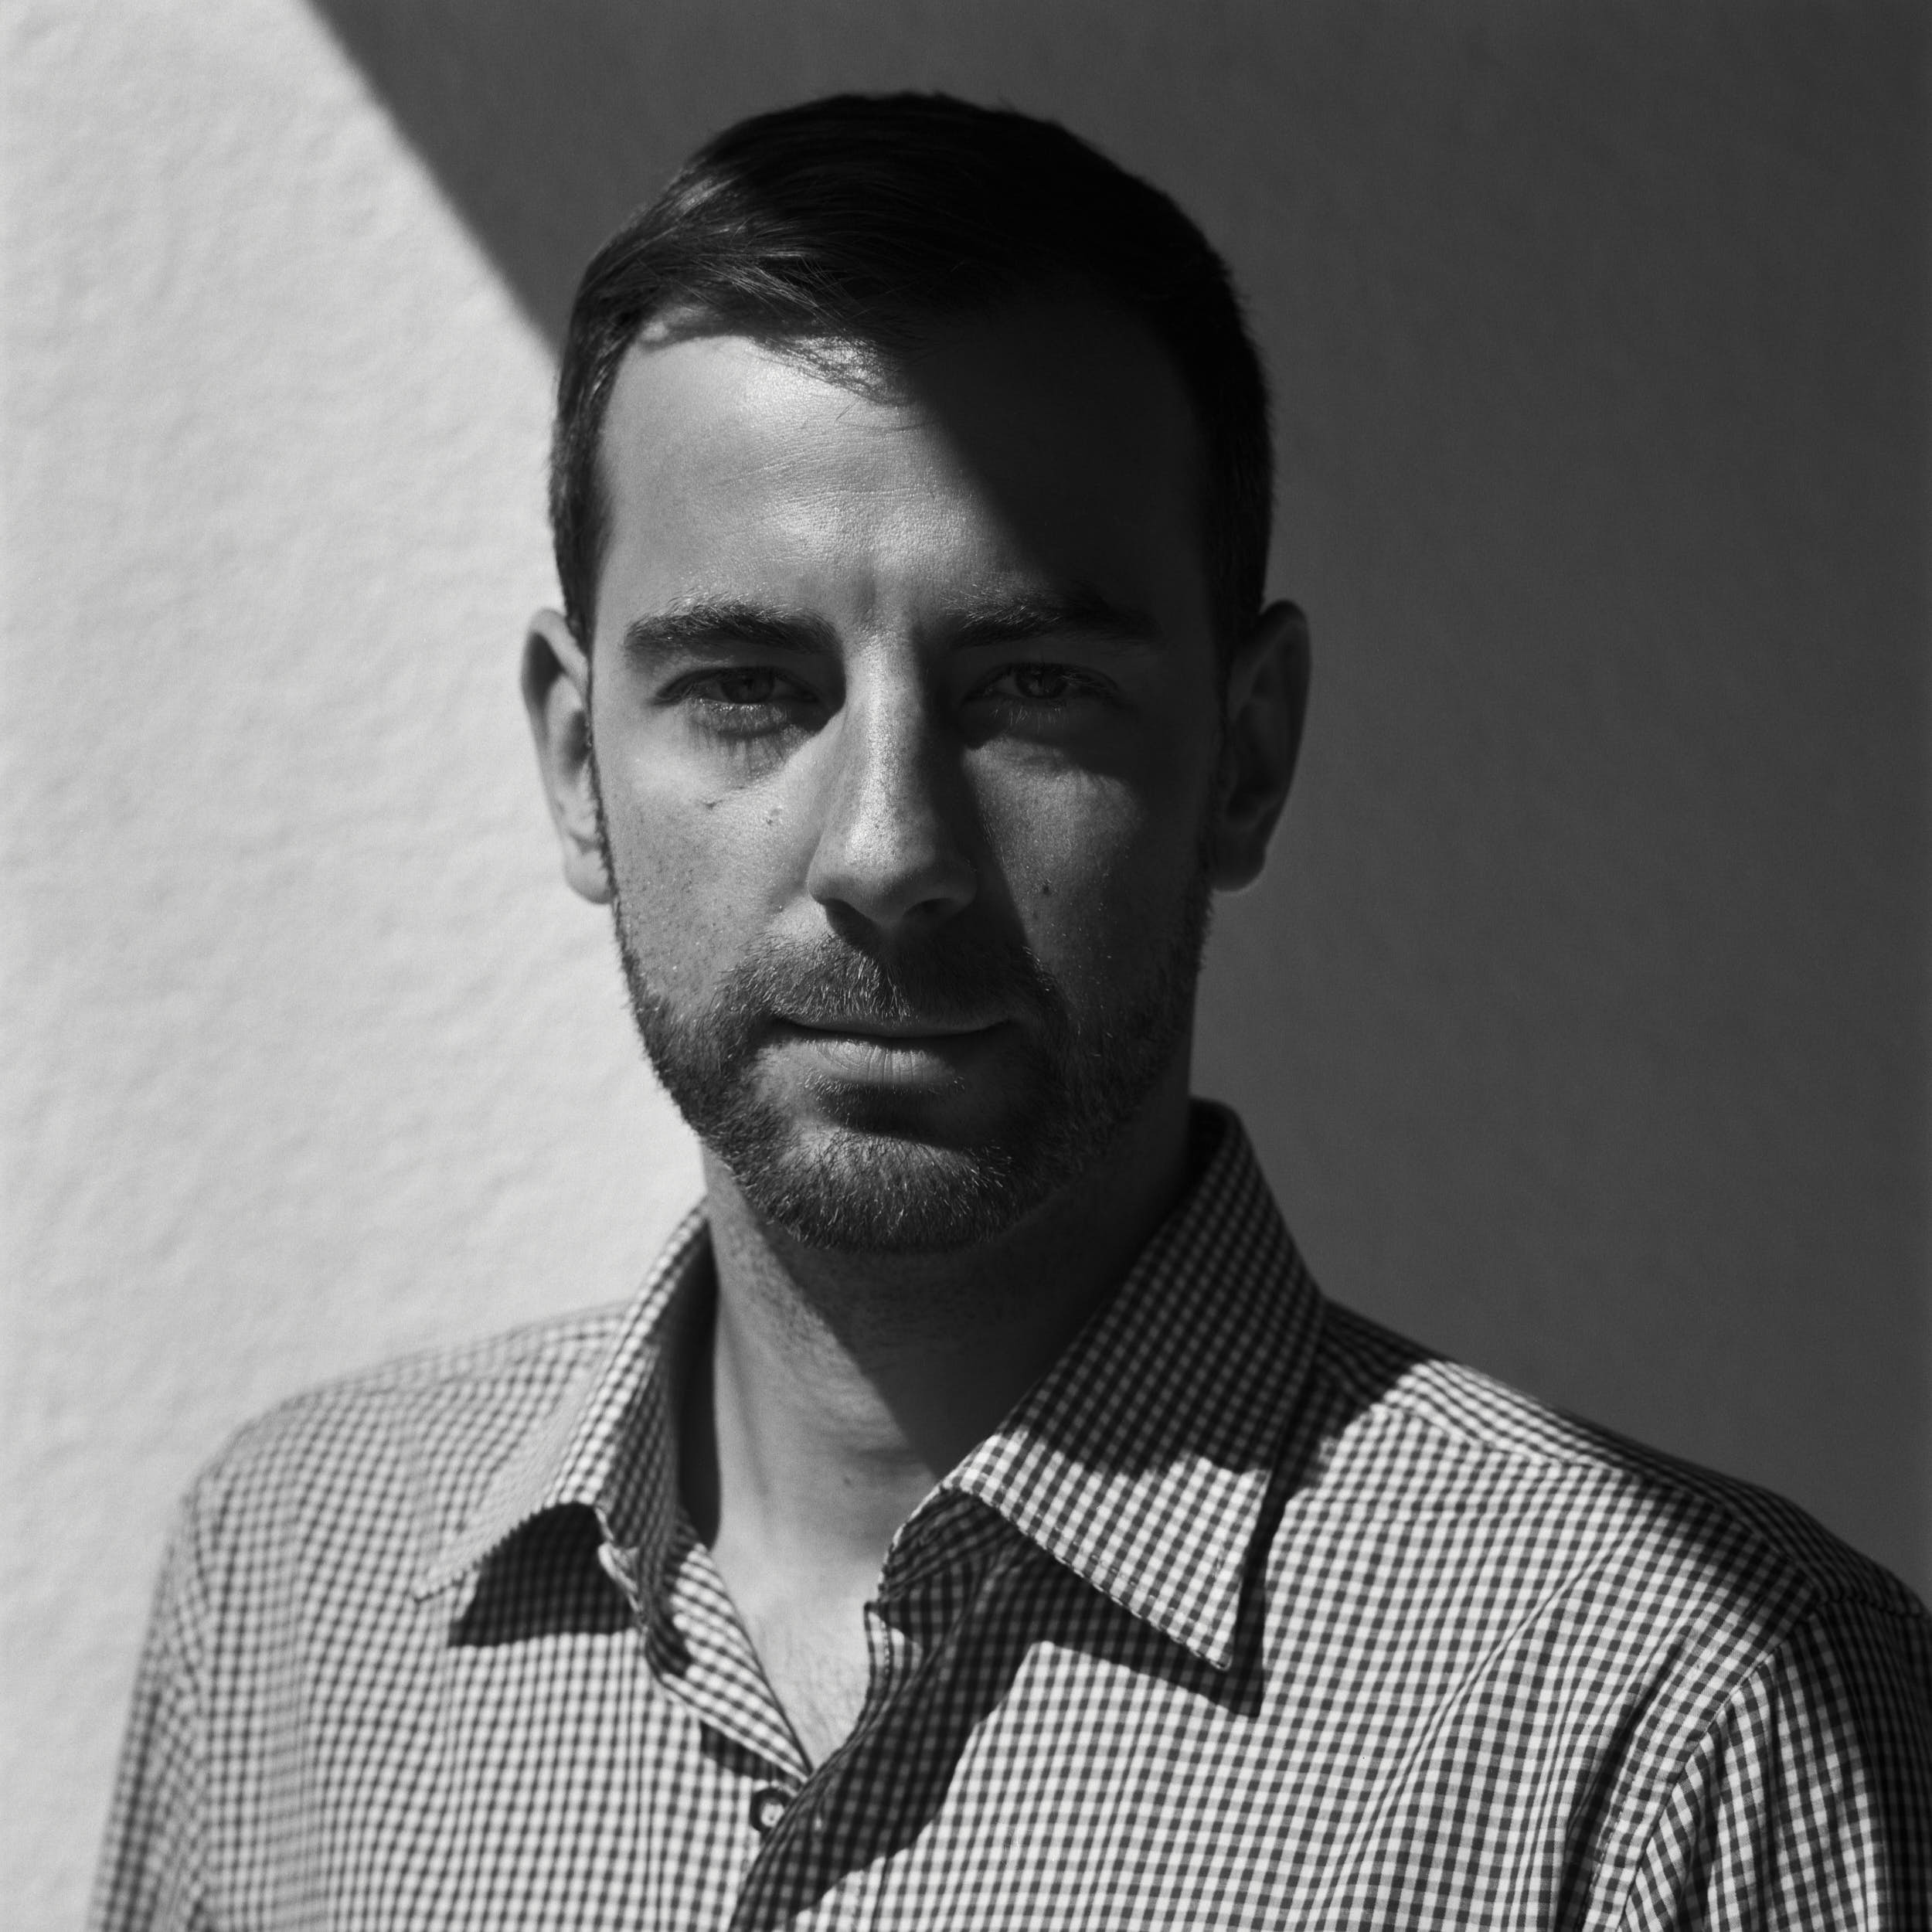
(716, 1673)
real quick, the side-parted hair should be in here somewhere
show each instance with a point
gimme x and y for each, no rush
(866, 222)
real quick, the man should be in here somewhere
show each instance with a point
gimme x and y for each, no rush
(979, 1520)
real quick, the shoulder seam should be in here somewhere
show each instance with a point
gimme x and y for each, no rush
(1834, 1573)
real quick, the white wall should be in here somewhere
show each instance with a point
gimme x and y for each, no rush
(309, 1057)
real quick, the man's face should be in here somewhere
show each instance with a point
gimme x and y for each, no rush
(906, 719)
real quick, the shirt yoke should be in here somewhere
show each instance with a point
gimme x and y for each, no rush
(1479, 1446)
(418, 1438)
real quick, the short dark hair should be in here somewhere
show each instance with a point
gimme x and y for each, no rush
(867, 220)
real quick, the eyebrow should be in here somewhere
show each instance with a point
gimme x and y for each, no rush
(1003, 618)
(1017, 616)
(694, 621)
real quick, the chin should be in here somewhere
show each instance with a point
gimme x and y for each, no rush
(853, 1192)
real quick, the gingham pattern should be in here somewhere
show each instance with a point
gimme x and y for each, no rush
(1251, 1615)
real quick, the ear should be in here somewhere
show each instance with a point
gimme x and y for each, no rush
(557, 694)
(1267, 700)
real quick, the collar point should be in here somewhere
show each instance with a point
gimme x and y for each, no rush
(448, 1569)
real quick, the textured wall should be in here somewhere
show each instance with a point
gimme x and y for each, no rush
(309, 1055)
(1582, 1019)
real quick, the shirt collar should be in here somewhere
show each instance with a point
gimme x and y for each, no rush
(1142, 1460)
(608, 1445)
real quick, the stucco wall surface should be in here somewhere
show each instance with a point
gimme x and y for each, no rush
(309, 1058)
(1580, 1019)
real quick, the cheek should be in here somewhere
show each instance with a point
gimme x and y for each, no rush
(698, 877)
(1097, 868)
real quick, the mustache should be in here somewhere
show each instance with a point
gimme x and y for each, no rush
(962, 980)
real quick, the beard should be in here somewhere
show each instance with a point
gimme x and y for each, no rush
(873, 1177)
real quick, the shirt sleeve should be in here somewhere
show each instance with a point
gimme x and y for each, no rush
(1807, 1803)
(150, 1875)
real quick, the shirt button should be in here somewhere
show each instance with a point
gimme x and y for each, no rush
(768, 1805)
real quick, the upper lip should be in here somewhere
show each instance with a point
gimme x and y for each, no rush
(867, 1028)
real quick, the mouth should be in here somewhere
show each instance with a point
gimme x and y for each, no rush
(885, 1032)
(918, 1053)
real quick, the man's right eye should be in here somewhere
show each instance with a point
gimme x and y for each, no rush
(744, 700)
(757, 685)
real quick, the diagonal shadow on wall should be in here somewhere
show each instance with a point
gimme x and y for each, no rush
(1581, 1020)
(545, 120)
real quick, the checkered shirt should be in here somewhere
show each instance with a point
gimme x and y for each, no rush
(1250, 1614)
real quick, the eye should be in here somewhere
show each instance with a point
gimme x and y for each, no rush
(755, 684)
(1042, 683)
(1043, 687)
(744, 700)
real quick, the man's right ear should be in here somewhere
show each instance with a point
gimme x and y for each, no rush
(557, 694)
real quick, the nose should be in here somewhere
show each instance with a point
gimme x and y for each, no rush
(893, 846)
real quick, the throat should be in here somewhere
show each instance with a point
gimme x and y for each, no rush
(822, 1396)
(815, 1658)
(797, 1535)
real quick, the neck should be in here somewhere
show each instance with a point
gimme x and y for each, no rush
(834, 1389)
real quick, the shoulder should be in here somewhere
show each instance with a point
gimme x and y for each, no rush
(1700, 1653)
(1410, 1432)
(1585, 1567)
(402, 1451)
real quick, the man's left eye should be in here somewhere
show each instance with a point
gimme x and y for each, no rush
(754, 684)
(1042, 684)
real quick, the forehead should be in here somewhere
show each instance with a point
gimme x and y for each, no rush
(1050, 446)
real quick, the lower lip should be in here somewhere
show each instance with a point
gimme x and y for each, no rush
(874, 1060)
